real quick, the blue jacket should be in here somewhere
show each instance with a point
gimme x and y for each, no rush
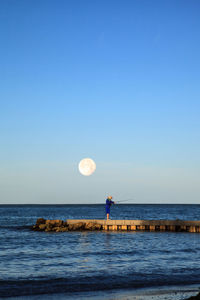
(109, 203)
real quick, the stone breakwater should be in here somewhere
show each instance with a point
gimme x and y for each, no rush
(62, 226)
(117, 225)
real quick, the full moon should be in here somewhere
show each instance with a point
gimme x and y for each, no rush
(87, 166)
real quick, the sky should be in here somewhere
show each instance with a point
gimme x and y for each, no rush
(116, 81)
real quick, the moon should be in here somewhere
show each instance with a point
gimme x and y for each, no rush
(87, 166)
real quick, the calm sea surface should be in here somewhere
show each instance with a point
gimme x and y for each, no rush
(72, 263)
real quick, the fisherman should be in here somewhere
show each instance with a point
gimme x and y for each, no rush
(109, 202)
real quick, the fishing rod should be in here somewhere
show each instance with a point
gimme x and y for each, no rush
(120, 201)
(123, 200)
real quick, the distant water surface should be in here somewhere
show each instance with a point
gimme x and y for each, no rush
(40, 263)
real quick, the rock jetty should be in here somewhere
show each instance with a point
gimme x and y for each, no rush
(117, 225)
(62, 226)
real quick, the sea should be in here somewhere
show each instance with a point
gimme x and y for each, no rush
(97, 265)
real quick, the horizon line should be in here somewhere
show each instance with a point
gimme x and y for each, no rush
(99, 204)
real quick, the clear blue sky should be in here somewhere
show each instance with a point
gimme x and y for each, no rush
(117, 81)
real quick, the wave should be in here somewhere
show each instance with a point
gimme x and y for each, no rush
(41, 286)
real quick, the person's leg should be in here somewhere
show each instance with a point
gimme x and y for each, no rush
(107, 212)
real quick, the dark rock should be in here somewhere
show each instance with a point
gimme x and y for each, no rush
(42, 226)
(76, 226)
(54, 222)
(56, 229)
(71, 227)
(40, 221)
(93, 226)
(60, 226)
(64, 229)
(98, 227)
(49, 228)
(89, 226)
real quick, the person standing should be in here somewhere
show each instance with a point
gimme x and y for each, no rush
(109, 202)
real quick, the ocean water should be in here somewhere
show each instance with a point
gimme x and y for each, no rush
(84, 264)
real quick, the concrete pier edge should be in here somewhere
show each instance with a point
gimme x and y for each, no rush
(145, 225)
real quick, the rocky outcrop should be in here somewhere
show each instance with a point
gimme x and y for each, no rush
(61, 226)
